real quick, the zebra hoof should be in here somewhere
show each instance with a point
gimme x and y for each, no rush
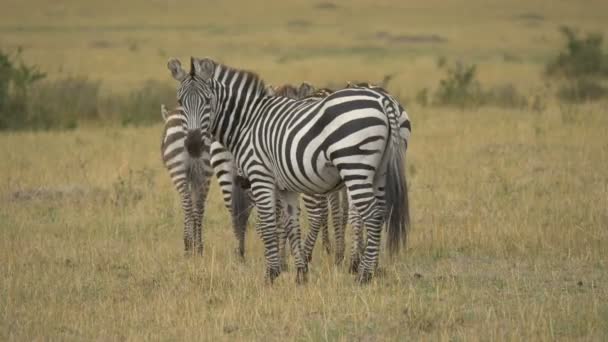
(327, 249)
(272, 274)
(308, 258)
(302, 276)
(284, 267)
(364, 277)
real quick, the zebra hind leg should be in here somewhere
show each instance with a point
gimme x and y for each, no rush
(282, 223)
(325, 226)
(316, 207)
(358, 243)
(338, 204)
(371, 211)
(291, 210)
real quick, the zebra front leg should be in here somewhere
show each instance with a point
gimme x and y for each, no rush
(200, 197)
(188, 220)
(291, 210)
(316, 207)
(264, 198)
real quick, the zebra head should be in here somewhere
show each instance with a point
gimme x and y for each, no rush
(195, 101)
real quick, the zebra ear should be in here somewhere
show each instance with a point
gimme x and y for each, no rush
(204, 68)
(164, 112)
(175, 66)
(304, 90)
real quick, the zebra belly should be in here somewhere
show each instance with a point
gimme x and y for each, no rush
(326, 181)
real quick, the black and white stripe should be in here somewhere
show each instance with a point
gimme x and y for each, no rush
(350, 138)
(188, 156)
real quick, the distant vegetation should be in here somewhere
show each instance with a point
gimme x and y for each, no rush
(582, 67)
(461, 88)
(29, 101)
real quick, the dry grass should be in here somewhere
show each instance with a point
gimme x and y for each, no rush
(509, 239)
(510, 208)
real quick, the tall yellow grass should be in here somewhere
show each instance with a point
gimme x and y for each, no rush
(509, 208)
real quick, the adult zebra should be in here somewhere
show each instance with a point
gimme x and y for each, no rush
(189, 159)
(351, 138)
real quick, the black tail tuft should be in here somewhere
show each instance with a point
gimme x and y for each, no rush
(241, 208)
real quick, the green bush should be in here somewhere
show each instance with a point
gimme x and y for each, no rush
(581, 90)
(460, 87)
(63, 103)
(583, 57)
(583, 66)
(16, 78)
(141, 106)
(505, 96)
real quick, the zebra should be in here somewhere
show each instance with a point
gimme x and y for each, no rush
(351, 138)
(316, 205)
(191, 160)
(338, 203)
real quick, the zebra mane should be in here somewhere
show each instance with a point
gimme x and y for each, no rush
(222, 69)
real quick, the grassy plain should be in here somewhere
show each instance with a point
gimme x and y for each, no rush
(510, 207)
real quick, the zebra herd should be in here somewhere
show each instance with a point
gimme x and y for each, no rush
(344, 149)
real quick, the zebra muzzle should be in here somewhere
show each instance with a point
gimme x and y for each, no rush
(194, 143)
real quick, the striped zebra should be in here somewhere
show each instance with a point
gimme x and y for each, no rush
(190, 161)
(316, 205)
(284, 147)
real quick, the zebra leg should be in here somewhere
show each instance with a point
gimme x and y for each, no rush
(325, 226)
(291, 210)
(316, 207)
(362, 196)
(358, 240)
(188, 220)
(264, 198)
(336, 201)
(236, 199)
(282, 222)
(200, 198)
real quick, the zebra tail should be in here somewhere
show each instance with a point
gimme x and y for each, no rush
(240, 208)
(396, 185)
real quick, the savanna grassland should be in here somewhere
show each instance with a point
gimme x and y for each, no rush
(509, 206)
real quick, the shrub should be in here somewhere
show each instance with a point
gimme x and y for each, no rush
(582, 57)
(506, 96)
(63, 103)
(141, 106)
(581, 90)
(16, 78)
(582, 66)
(459, 88)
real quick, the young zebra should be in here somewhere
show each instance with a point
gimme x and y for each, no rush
(286, 147)
(186, 155)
